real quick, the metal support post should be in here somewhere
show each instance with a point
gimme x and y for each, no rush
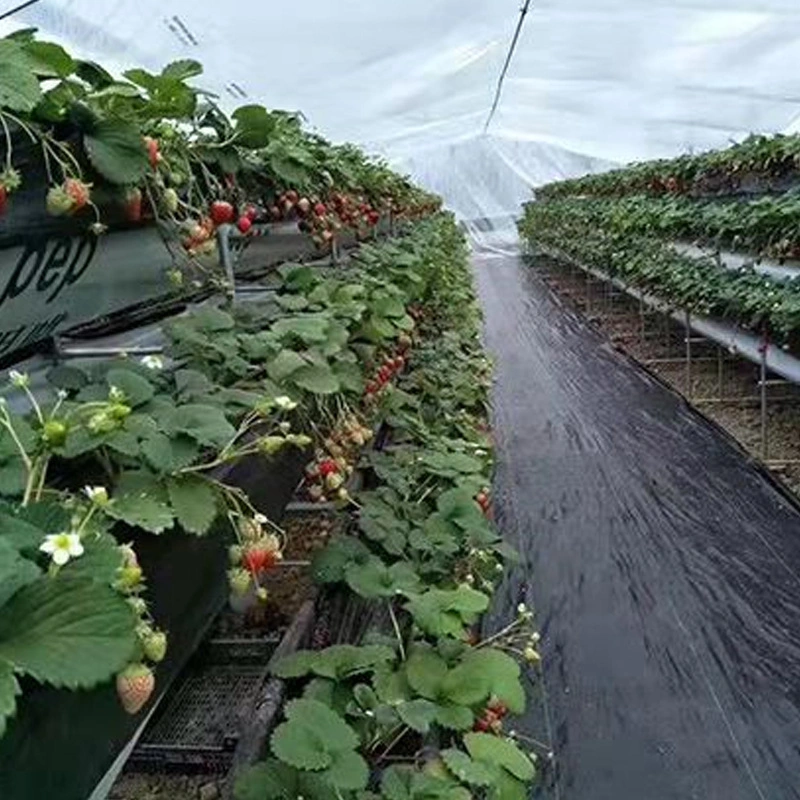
(688, 323)
(763, 393)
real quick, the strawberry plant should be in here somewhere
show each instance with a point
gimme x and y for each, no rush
(423, 547)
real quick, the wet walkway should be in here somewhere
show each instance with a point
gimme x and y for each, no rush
(665, 568)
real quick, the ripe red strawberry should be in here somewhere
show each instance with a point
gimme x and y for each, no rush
(370, 388)
(320, 209)
(222, 212)
(135, 685)
(384, 374)
(244, 224)
(133, 205)
(259, 558)
(153, 151)
(78, 191)
(251, 212)
(328, 467)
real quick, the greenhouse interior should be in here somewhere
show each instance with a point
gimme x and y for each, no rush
(400, 401)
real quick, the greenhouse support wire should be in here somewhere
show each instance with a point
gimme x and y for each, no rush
(20, 7)
(522, 14)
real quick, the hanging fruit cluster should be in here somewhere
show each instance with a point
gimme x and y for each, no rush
(491, 720)
(258, 552)
(333, 463)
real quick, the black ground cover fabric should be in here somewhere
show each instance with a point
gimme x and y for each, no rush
(663, 565)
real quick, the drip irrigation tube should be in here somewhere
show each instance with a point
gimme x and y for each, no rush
(732, 337)
(735, 261)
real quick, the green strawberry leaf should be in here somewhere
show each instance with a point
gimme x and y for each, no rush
(116, 150)
(194, 502)
(9, 691)
(69, 632)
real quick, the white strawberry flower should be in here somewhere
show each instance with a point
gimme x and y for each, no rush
(19, 379)
(285, 403)
(61, 547)
(261, 519)
(97, 494)
(152, 362)
(116, 395)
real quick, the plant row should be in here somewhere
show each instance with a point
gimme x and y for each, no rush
(601, 235)
(157, 147)
(417, 710)
(763, 227)
(144, 445)
(758, 164)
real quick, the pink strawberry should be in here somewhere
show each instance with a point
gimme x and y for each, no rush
(135, 685)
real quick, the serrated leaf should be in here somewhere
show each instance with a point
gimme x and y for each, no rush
(311, 734)
(68, 632)
(330, 563)
(100, 562)
(316, 378)
(396, 783)
(205, 424)
(484, 673)
(286, 363)
(309, 328)
(293, 302)
(455, 718)
(69, 378)
(9, 691)
(270, 780)
(183, 69)
(426, 671)
(391, 686)
(254, 126)
(417, 714)
(374, 579)
(116, 150)
(300, 747)
(137, 390)
(296, 665)
(338, 662)
(500, 752)
(349, 771)
(19, 87)
(169, 454)
(15, 571)
(507, 787)
(141, 501)
(122, 441)
(50, 60)
(466, 770)
(194, 501)
(20, 533)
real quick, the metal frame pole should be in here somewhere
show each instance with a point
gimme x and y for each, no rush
(764, 398)
(688, 322)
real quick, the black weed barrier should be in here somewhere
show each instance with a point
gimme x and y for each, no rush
(62, 743)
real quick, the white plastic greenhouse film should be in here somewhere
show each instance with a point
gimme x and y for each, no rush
(592, 82)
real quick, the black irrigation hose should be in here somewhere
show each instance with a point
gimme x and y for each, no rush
(522, 14)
